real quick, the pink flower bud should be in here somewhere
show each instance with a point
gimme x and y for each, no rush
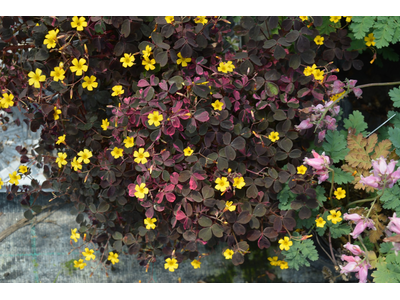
(363, 272)
(321, 135)
(394, 224)
(352, 217)
(371, 180)
(361, 226)
(356, 250)
(305, 124)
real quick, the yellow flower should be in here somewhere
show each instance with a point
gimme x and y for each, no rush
(285, 243)
(127, 60)
(188, 151)
(78, 66)
(57, 112)
(78, 23)
(141, 190)
(370, 40)
(155, 118)
(105, 124)
(149, 222)
(201, 20)
(23, 169)
(148, 63)
(335, 19)
(61, 159)
(217, 105)
(283, 265)
(171, 264)
(319, 40)
(117, 152)
(79, 264)
(36, 78)
(169, 19)
(222, 184)
(196, 264)
(7, 100)
(76, 165)
(348, 19)
(228, 253)
(340, 193)
(274, 136)
(301, 170)
(223, 67)
(229, 66)
(74, 235)
(238, 182)
(84, 156)
(51, 38)
(318, 74)
(274, 261)
(146, 52)
(14, 178)
(113, 257)
(129, 142)
(320, 222)
(90, 83)
(335, 216)
(88, 254)
(58, 74)
(336, 96)
(1, 183)
(182, 60)
(141, 156)
(229, 206)
(304, 18)
(309, 70)
(117, 90)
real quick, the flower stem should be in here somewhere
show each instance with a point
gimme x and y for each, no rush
(361, 201)
(378, 84)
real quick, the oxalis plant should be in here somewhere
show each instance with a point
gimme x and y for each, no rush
(166, 135)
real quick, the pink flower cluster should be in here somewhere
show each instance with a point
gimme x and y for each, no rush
(320, 163)
(384, 174)
(355, 263)
(361, 222)
(316, 113)
(394, 227)
(338, 86)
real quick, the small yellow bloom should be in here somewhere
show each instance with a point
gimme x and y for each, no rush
(117, 152)
(23, 169)
(56, 113)
(7, 100)
(348, 19)
(201, 20)
(370, 40)
(304, 18)
(14, 178)
(113, 257)
(335, 19)
(196, 264)
(75, 235)
(222, 184)
(1, 183)
(182, 60)
(320, 222)
(51, 38)
(78, 66)
(188, 151)
(169, 19)
(274, 136)
(78, 23)
(319, 40)
(149, 222)
(58, 74)
(79, 264)
(309, 70)
(89, 83)
(36, 78)
(117, 90)
(127, 60)
(129, 142)
(340, 193)
(141, 190)
(148, 63)
(335, 216)
(229, 66)
(228, 253)
(217, 105)
(283, 265)
(105, 124)
(171, 264)
(141, 156)
(274, 261)
(285, 243)
(155, 118)
(229, 206)
(61, 159)
(76, 165)
(318, 74)
(147, 52)
(84, 156)
(223, 67)
(88, 254)
(301, 170)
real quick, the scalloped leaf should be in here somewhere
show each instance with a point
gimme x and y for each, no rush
(335, 146)
(356, 121)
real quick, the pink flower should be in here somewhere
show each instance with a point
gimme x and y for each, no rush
(305, 124)
(384, 174)
(338, 87)
(371, 180)
(363, 272)
(356, 250)
(361, 226)
(352, 217)
(394, 224)
(321, 135)
(319, 162)
(355, 264)
(330, 123)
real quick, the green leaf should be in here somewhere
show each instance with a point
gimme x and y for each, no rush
(299, 254)
(320, 194)
(327, 26)
(361, 25)
(285, 197)
(389, 54)
(335, 146)
(341, 177)
(390, 198)
(387, 271)
(394, 137)
(337, 230)
(395, 96)
(356, 121)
